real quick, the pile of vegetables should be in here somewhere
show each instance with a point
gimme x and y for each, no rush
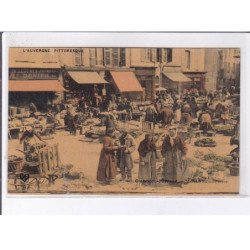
(224, 129)
(205, 142)
(212, 157)
(216, 167)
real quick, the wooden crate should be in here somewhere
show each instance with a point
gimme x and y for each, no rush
(147, 127)
(48, 158)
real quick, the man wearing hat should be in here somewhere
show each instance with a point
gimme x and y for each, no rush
(125, 160)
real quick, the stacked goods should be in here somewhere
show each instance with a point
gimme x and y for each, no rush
(205, 142)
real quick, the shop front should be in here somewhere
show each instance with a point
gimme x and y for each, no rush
(148, 80)
(127, 85)
(198, 79)
(43, 93)
(88, 84)
(175, 81)
(41, 86)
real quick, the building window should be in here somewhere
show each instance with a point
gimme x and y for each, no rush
(115, 57)
(106, 57)
(158, 55)
(228, 67)
(122, 57)
(169, 55)
(78, 58)
(92, 56)
(188, 58)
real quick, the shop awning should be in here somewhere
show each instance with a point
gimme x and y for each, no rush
(126, 81)
(86, 77)
(35, 86)
(177, 77)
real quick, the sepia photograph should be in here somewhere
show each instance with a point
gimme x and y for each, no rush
(114, 120)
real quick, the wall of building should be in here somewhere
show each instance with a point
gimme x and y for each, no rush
(230, 64)
(197, 59)
(212, 67)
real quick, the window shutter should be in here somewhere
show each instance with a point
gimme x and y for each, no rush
(122, 57)
(107, 56)
(115, 57)
(169, 55)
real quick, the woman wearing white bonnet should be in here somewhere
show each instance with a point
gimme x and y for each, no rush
(174, 151)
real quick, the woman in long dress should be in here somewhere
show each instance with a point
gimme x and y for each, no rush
(147, 164)
(174, 151)
(107, 166)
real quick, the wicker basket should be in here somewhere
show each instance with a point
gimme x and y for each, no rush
(15, 166)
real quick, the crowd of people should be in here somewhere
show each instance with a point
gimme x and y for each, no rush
(168, 111)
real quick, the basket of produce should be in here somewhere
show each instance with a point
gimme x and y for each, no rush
(224, 129)
(15, 164)
(205, 142)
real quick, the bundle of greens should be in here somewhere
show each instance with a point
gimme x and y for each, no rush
(205, 142)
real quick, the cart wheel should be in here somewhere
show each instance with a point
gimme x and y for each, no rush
(33, 185)
(20, 185)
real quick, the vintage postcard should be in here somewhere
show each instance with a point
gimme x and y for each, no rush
(123, 120)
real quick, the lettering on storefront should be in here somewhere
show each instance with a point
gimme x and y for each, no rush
(33, 74)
